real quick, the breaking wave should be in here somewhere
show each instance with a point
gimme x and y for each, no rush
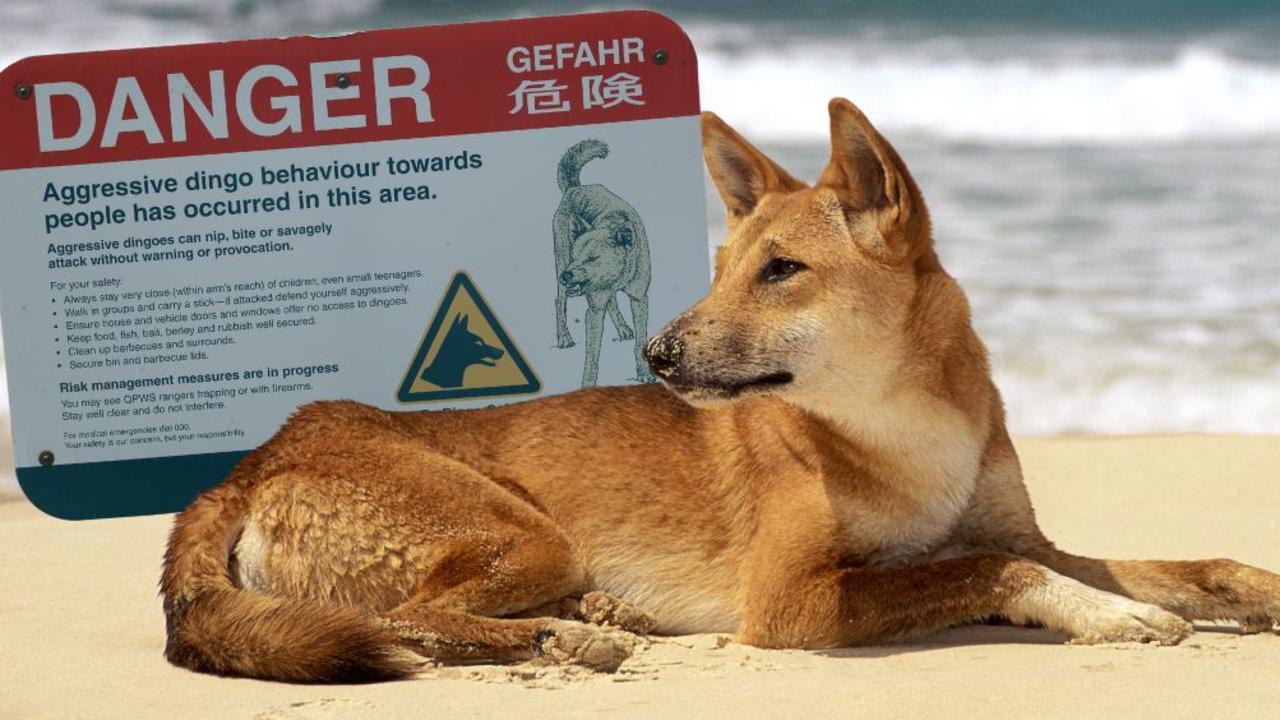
(1198, 94)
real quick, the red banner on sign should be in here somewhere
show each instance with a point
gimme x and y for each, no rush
(379, 85)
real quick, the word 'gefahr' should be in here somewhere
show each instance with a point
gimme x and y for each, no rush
(130, 110)
(601, 53)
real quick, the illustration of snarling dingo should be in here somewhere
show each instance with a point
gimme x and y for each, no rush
(460, 350)
(601, 250)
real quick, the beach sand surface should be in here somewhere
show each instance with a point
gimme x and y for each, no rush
(81, 631)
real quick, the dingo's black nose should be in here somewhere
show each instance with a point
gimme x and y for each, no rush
(663, 353)
(566, 277)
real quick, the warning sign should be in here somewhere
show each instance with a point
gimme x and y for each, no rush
(466, 353)
(198, 240)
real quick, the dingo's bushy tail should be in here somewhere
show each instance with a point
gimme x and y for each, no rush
(574, 158)
(215, 626)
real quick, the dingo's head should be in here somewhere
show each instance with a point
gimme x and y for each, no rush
(821, 294)
(602, 257)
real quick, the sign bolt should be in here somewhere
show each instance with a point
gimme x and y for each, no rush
(660, 57)
(343, 80)
(46, 458)
(22, 90)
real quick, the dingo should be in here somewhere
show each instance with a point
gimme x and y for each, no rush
(828, 465)
(600, 250)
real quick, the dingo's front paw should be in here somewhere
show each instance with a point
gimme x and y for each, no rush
(1124, 620)
(1089, 616)
(1248, 595)
(624, 333)
(564, 340)
(599, 648)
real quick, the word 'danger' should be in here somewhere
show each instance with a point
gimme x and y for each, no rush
(200, 239)
(129, 110)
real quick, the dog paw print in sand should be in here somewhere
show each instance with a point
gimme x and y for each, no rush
(707, 655)
(317, 709)
(545, 672)
(532, 674)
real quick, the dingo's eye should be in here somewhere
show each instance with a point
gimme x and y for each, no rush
(781, 269)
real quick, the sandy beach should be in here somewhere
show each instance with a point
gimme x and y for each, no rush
(83, 631)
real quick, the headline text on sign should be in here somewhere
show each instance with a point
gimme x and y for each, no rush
(402, 78)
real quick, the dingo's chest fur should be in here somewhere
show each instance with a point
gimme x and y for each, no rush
(904, 501)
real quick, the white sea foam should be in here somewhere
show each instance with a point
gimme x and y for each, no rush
(1197, 94)
(1138, 402)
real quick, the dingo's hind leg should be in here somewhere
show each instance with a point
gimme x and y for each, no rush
(440, 559)
(509, 558)
(462, 637)
(440, 532)
(512, 560)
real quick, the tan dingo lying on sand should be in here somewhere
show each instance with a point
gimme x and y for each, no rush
(828, 465)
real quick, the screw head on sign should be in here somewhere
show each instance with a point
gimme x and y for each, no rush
(343, 80)
(659, 57)
(22, 90)
(46, 458)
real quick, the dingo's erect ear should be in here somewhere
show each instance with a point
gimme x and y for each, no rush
(741, 173)
(624, 236)
(868, 174)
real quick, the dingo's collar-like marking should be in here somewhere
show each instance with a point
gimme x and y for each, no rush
(828, 465)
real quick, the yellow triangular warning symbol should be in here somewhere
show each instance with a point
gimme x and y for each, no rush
(466, 353)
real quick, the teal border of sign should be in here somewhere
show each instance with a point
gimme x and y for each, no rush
(461, 280)
(117, 488)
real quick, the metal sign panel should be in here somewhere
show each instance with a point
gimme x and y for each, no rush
(199, 239)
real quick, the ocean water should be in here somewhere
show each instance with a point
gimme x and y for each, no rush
(1104, 177)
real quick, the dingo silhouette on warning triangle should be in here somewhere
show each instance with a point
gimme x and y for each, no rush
(466, 353)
